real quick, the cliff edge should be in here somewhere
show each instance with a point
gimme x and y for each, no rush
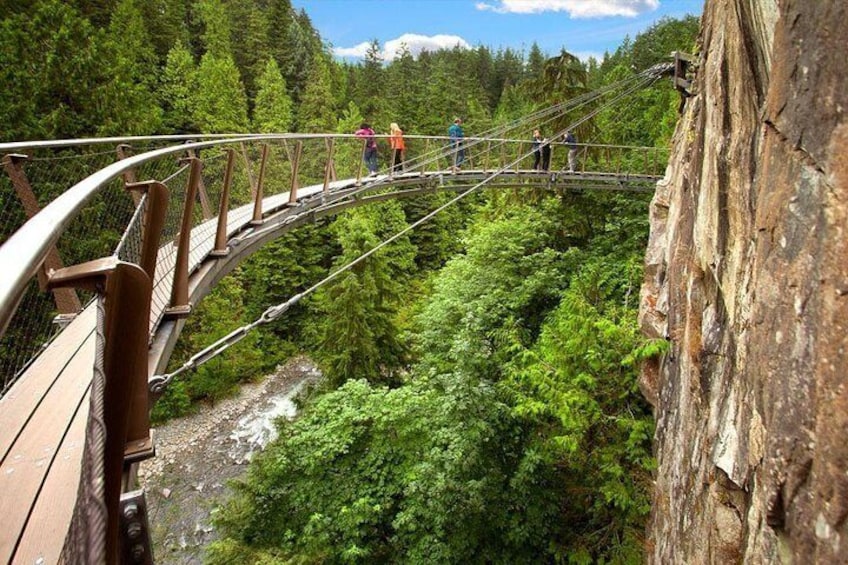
(747, 277)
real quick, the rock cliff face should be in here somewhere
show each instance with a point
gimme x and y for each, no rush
(747, 277)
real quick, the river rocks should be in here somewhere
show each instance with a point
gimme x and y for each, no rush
(196, 456)
(744, 272)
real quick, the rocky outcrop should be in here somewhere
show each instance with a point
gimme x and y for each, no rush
(747, 277)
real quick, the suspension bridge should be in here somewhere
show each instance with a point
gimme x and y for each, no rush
(108, 245)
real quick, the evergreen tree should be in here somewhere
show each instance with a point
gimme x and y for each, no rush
(129, 100)
(370, 86)
(359, 336)
(485, 73)
(316, 113)
(167, 22)
(219, 105)
(294, 43)
(273, 110)
(403, 91)
(251, 35)
(535, 62)
(177, 90)
(216, 21)
(54, 68)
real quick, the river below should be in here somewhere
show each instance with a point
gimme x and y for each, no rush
(197, 455)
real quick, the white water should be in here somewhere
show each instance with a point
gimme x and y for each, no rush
(254, 431)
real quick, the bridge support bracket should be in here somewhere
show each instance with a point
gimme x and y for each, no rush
(177, 312)
(139, 450)
(135, 529)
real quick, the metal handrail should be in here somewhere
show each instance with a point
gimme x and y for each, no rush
(25, 250)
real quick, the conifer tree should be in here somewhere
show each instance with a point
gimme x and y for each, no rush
(370, 91)
(216, 34)
(403, 91)
(219, 105)
(316, 113)
(129, 99)
(251, 35)
(54, 68)
(177, 88)
(359, 337)
(273, 109)
(535, 63)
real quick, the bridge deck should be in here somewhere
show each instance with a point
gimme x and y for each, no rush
(43, 416)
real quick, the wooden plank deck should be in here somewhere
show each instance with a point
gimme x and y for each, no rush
(41, 438)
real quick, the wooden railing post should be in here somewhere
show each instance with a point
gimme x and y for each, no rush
(67, 301)
(486, 160)
(329, 168)
(426, 156)
(119, 394)
(180, 306)
(221, 248)
(257, 201)
(295, 168)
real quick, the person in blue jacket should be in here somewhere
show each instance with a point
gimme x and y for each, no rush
(456, 134)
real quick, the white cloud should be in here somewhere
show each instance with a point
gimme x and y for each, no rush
(575, 8)
(586, 55)
(414, 42)
(358, 51)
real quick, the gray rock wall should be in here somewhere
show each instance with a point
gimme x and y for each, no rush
(747, 277)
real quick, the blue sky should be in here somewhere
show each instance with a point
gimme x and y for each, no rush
(583, 27)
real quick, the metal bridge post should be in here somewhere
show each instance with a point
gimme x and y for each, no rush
(426, 156)
(180, 306)
(454, 145)
(260, 186)
(154, 221)
(201, 191)
(488, 154)
(518, 157)
(67, 301)
(295, 168)
(248, 170)
(121, 392)
(361, 163)
(503, 155)
(123, 151)
(329, 169)
(221, 248)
